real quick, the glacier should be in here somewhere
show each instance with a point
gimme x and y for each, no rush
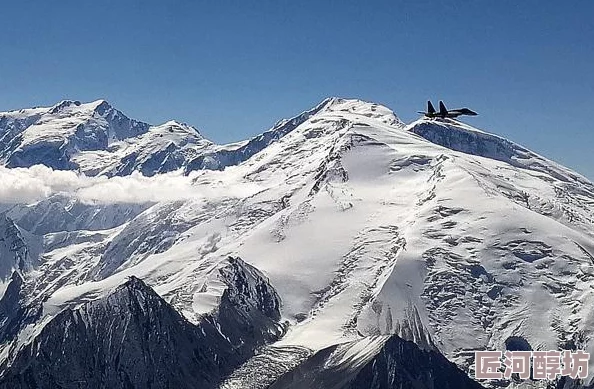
(339, 241)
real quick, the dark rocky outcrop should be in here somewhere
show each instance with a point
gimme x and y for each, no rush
(132, 338)
(376, 363)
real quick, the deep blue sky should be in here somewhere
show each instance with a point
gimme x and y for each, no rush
(232, 68)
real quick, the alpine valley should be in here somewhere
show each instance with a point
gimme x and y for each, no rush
(342, 248)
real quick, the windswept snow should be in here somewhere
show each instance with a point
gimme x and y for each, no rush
(435, 231)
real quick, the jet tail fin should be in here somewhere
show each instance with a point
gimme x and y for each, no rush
(430, 108)
(442, 108)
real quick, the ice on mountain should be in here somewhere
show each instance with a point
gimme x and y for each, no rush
(347, 223)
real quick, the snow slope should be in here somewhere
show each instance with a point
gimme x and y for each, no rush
(52, 135)
(434, 231)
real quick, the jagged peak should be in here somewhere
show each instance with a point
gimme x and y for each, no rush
(135, 284)
(133, 288)
(104, 108)
(100, 106)
(64, 104)
(242, 283)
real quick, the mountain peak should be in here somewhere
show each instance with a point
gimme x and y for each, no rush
(339, 222)
(100, 106)
(174, 125)
(360, 107)
(64, 104)
(99, 102)
(135, 285)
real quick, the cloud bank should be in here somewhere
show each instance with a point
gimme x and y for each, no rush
(26, 185)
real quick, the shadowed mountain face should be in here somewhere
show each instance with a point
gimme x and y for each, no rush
(340, 249)
(133, 339)
(97, 139)
(377, 363)
(14, 253)
(51, 136)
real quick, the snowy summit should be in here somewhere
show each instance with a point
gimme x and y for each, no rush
(338, 248)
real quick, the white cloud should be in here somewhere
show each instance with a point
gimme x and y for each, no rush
(25, 185)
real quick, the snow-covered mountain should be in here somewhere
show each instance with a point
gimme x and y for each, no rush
(332, 250)
(97, 139)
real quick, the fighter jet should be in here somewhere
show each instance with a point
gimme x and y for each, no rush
(444, 113)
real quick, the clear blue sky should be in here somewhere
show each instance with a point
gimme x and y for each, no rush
(232, 68)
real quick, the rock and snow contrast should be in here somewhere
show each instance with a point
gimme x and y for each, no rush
(342, 248)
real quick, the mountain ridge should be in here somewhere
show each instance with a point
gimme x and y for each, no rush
(361, 225)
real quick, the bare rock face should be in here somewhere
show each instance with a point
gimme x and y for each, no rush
(132, 338)
(382, 362)
(14, 253)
